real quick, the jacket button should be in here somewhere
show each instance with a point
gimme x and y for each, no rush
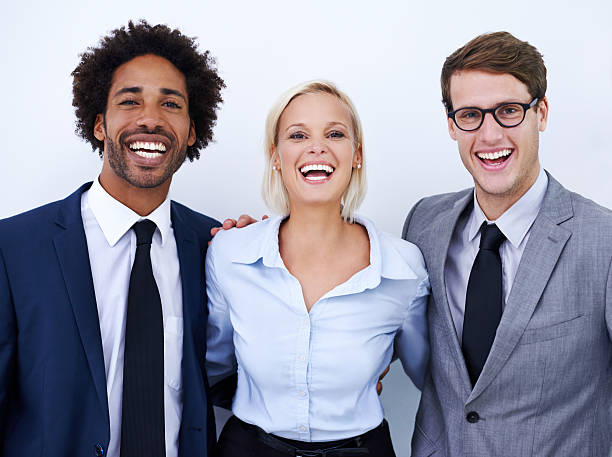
(472, 417)
(98, 450)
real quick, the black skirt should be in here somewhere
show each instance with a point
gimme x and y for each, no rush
(239, 439)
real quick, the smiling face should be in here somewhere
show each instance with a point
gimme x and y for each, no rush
(146, 127)
(315, 149)
(503, 161)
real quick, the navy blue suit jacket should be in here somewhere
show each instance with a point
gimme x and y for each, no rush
(53, 399)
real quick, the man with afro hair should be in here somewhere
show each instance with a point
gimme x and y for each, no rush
(102, 305)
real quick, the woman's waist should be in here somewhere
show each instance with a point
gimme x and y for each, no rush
(310, 418)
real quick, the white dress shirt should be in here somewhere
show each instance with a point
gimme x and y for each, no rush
(515, 223)
(112, 247)
(312, 376)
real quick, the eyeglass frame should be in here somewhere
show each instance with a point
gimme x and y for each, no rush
(484, 112)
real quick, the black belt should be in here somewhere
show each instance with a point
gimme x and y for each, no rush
(347, 448)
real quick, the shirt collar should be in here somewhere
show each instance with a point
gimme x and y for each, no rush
(115, 219)
(515, 222)
(385, 260)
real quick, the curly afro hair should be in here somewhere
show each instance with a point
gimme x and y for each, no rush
(93, 76)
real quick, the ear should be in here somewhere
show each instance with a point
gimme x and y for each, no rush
(192, 134)
(542, 114)
(451, 128)
(357, 157)
(275, 157)
(99, 131)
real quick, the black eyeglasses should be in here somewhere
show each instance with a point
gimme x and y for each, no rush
(507, 115)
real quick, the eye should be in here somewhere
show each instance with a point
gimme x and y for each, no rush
(128, 102)
(297, 136)
(171, 104)
(508, 110)
(336, 134)
(469, 114)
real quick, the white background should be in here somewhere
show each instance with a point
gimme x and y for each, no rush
(386, 55)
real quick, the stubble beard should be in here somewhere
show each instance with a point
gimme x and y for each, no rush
(140, 176)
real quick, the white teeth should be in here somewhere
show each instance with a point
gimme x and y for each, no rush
(148, 155)
(494, 155)
(139, 145)
(317, 167)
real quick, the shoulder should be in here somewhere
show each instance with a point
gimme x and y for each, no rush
(428, 210)
(407, 251)
(591, 226)
(400, 259)
(28, 225)
(198, 222)
(244, 244)
(579, 214)
(193, 217)
(590, 211)
(429, 207)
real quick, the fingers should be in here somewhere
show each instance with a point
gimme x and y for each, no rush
(384, 373)
(245, 220)
(229, 223)
(379, 385)
(265, 216)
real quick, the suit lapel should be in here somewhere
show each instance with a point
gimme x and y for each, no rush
(192, 273)
(192, 283)
(546, 242)
(439, 237)
(73, 256)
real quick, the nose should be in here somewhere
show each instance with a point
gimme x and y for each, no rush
(317, 146)
(149, 117)
(490, 131)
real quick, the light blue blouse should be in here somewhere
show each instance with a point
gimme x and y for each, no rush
(312, 376)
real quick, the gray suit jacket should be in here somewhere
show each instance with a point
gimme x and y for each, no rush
(546, 388)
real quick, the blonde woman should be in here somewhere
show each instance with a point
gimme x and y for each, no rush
(308, 305)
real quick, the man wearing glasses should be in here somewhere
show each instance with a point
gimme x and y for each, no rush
(520, 318)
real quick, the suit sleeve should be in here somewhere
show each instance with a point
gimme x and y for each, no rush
(8, 343)
(220, 355)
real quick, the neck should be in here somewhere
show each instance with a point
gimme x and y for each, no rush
(493, 206)
(316, 229)
(142, 201)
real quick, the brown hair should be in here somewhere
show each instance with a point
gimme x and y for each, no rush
(498, 52)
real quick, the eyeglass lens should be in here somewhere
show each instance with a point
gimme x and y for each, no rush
(508, 115)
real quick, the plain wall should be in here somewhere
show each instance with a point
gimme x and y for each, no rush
(386, 55)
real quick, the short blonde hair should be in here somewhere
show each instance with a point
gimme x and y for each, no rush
(274, 191)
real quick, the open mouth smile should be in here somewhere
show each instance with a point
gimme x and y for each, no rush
(495, 159)
(148, 150)
(316, 172)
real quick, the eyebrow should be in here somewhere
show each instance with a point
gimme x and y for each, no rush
(507, 102)
(329, 124)
(138, 90)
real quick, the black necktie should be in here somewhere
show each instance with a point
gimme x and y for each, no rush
(142, 415)
(483, 301)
